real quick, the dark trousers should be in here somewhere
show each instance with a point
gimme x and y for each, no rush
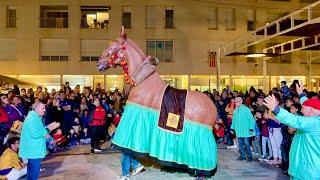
(97, 133)
(285, 157)
(244, 147)
(3, 134)
(33, 169)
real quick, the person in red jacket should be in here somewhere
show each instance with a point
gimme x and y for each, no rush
(116, 118)
(97, 124)
(3, 127)
(219, 132)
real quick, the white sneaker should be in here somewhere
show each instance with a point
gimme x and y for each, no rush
(137, 170)
(97, 150)
(123, 178)
(232, 147)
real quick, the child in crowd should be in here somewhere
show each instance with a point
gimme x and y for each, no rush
(287, 133)
(61, 141)
(265, 139)
(289, 102)
(218, 131)
(85, 119)
(73, 138)
(111, 131)
(85, 137)
(257, 139)
(275, 135)
(116, 118)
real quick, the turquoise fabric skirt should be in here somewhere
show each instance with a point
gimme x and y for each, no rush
(138, 131)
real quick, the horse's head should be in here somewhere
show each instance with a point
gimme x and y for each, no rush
(119, 52)
(127, 54)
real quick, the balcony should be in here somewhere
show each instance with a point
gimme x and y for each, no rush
(53, 22)
(94, 24)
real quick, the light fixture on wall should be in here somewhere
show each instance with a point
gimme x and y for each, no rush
(256, 55)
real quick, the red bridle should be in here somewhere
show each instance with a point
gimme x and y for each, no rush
(123, 62)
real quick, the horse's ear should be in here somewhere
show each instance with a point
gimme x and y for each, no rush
(123, 35)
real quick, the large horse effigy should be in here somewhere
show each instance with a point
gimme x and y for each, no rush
(168, 124)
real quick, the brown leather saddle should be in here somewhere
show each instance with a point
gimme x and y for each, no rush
(172, 109)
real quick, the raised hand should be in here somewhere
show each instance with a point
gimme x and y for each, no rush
(270, 102)
(299, 89)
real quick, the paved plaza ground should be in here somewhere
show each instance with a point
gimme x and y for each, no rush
(78, 164)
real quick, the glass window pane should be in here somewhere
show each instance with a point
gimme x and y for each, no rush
(151, 17)
(160, 50)
(213, 18)
(151, 48)
(126, 19)
(169, 19)
(168, 51)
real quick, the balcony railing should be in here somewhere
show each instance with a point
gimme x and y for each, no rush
(54, 23)
(94, 25)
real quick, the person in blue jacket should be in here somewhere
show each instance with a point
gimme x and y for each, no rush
(33, 139)
(243, 125)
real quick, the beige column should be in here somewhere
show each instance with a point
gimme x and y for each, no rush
(218, 70)
(230, 82)
(265, 72)
(309, 70)
(188, 81)
(105, 82)
(61, 80)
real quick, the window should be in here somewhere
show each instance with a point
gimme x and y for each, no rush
(163, 50)
(151, 17)
(230, 19)
(54, 49)
(95, 17)
(251, 20)
(8, 49)
(54, 58)
(213, 19)
(89, 58)
(53, 16)
(91, 49)
(169, 18)
(126, 17)
(11, 17)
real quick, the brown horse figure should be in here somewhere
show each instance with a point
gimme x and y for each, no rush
(184, 136)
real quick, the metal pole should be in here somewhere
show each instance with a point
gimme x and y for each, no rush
(264, 72)
(105, 82)
(61, 80)
(309, 70)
